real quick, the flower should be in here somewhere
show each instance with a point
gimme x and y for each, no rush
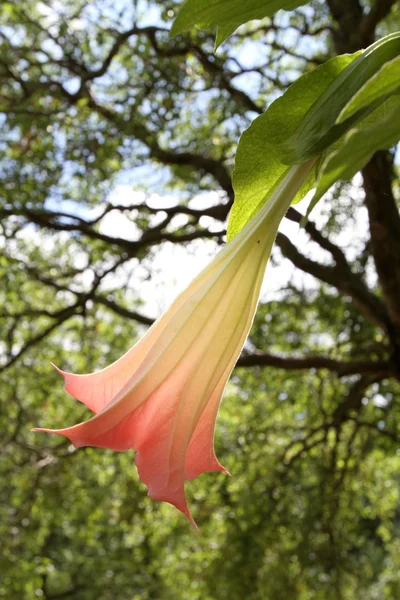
(162, 397)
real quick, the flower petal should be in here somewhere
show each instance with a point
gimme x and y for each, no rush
(97, 390)
(162, 397)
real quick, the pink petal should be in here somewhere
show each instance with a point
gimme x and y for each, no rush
(162, 397)
(200, 455)
(97, 390)
(149, 430)
(172, 426)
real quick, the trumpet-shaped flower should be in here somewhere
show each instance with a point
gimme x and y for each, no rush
(162, 397)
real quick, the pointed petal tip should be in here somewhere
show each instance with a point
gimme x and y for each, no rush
(69, 382)
(63, 373)
(181, 506)
(77, 443)
(219, 467)
(46, 430)
(210, 467)
(42, 429)
(223, 469)
(188, 515)
(193, 522)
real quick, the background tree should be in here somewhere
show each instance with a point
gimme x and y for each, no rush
(118, 144)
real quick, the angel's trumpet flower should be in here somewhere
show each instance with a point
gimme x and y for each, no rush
(162, 397)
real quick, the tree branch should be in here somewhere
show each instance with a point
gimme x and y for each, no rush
(379, 11)
(384, 224)
(348, 15)
(341, 278)
(341, 368)
(153, 236)
(336, 252)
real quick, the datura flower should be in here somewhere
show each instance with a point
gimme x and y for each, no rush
(162, 397)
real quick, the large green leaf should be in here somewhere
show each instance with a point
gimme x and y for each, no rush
(227, 15)
(320, 128)
(304, 124)
(386, 81)
(359, 145)
(259, 162)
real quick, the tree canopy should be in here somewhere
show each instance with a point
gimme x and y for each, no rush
(117, 149)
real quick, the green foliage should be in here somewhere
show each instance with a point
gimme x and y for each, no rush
(320, 127)
(378, 87)
(117, 146)
(377, 133)
(309, 120)
(227, 15)
(260, 162)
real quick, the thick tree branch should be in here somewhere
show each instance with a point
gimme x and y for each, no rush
(384, 223)
(324, 242)
(348, 15)
(121, 310)
(153, 236)
(379, 11)
(356, 31)
(339, 277)
(341, 368)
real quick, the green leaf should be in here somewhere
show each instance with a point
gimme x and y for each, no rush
(259, 162)
(224, 32)
(319, 127)
(359, 145)
(227, 14)
(385, 82)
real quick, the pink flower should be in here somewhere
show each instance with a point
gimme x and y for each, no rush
(162, 397)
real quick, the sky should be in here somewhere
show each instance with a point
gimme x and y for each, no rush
(174, 266)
